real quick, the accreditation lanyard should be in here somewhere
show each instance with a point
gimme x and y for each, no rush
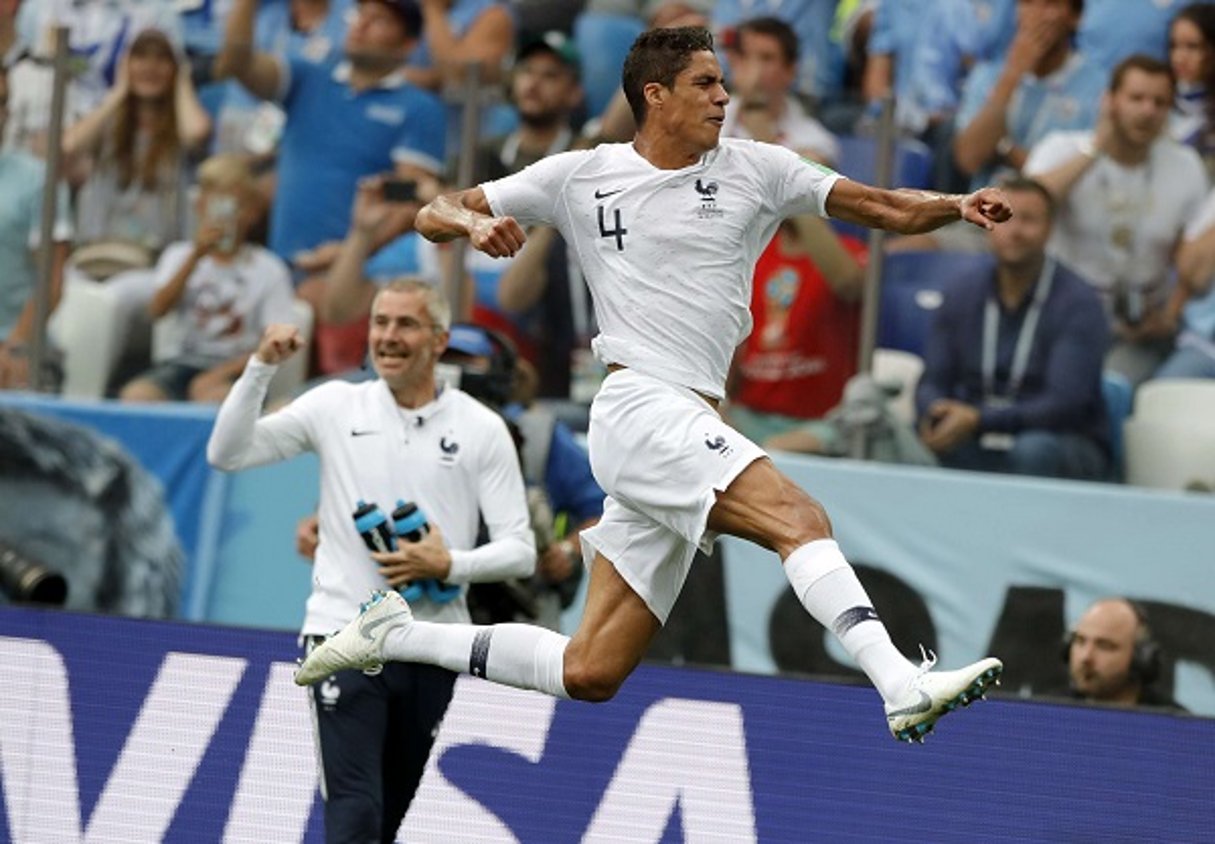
(1025, 340)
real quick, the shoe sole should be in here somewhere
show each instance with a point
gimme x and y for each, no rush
(975, 691)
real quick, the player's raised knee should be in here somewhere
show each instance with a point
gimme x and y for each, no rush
(592, 683)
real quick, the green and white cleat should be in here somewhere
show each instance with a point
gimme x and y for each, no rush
(360, 644)
(932, 694)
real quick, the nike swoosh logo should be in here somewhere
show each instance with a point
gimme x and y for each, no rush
(356, 433)
(606, 193)
(367, 628)
(924, 704)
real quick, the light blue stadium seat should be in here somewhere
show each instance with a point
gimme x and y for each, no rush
(913, 284)
(603, 41)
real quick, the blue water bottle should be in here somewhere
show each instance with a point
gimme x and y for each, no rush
(411, 525)
(373, 526)
(378, 535)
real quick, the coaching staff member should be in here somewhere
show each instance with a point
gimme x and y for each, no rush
(401, 436)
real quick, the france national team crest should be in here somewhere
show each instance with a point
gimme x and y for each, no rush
(449, 449)
(328, 694)
(719, 444)
(708, 199)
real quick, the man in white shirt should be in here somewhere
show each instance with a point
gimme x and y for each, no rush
(764, 108)
(1126, 192)
(667, 230)
(399, 438)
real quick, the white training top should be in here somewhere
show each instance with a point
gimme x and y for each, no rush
(453, 457)
(668, 254)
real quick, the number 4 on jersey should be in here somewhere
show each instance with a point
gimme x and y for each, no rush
(619, 232)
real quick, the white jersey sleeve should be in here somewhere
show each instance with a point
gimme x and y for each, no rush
(533, 194)
(240, 439)
(799, 185)
(511, 550)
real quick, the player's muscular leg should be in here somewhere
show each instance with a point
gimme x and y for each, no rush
(615, 631)
(764, 506)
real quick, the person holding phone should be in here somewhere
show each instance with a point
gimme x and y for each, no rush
(225, 292)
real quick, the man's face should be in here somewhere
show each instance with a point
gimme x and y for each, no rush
(1099, 659)
(404, 342)
(1140, 107)
(760, 68)
(1021, 240)
(544, 89)
(376, 36)
(1055, 17)
(695, 107)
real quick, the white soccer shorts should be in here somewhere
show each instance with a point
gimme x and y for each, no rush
(660, 452)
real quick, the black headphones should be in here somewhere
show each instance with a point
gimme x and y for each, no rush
(1145, 656)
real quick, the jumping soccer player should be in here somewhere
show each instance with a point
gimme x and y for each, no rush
(667, 230)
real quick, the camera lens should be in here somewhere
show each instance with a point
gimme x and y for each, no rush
(28, 581)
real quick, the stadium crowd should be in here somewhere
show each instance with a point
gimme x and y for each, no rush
(228, 164)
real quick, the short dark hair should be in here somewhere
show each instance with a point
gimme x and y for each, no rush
(1202, 15)
(407, 12)
(1147, 64)
(1024, 184)
(776, 28)
(660, 55)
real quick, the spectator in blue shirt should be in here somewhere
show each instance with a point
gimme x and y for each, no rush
(345, 120)
(1041, 85)
(963, 34)
(306, 30)
(1012, 368)
(898, 28)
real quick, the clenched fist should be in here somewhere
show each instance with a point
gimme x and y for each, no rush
(279, 342)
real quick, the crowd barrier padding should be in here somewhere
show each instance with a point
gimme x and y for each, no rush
(139, 731)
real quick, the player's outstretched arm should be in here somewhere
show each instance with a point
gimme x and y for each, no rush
(915, 211)
(467, 214)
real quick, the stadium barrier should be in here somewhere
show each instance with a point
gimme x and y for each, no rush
(144, 731)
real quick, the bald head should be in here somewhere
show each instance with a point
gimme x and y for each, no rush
(1102, 648)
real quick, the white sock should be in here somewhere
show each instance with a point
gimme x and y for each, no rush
(521, 655)
(829, 590)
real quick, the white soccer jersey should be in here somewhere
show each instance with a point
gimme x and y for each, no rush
(668, 254)
(453, 457)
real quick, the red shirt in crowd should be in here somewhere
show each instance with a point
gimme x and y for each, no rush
(802, 349)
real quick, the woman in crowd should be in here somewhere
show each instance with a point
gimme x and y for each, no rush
(129, 154)
(1192, 57)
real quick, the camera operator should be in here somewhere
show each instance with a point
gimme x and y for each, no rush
(563, 497)
(404, 436)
